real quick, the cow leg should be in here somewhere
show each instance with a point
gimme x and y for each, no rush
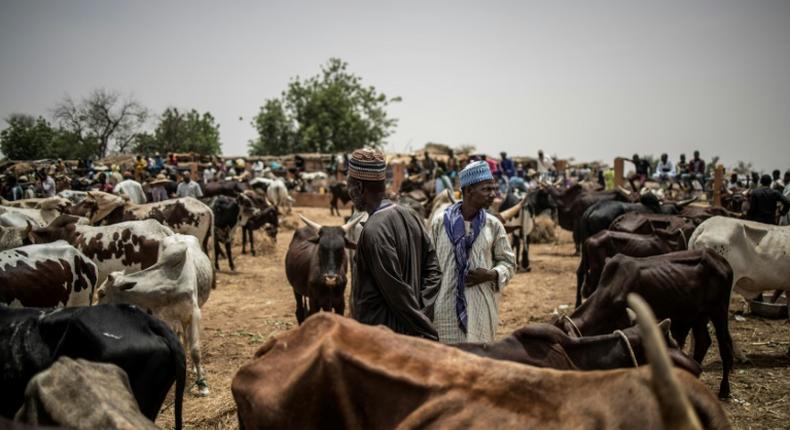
(339, 305)
(525, 255)
(702, 340)
(216, 254)
(252, 242)
(721, 325)
(516, 245)
(244, 240)
(299, 308)
(680, 332)
(230, 256)
(192, 334)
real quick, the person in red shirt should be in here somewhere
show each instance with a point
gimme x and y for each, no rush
(492, 165)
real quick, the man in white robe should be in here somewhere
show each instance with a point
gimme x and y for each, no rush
(467, 310)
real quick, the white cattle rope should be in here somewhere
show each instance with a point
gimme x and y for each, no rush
(628, 345)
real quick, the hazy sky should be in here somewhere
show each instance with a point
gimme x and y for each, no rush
(589, 79)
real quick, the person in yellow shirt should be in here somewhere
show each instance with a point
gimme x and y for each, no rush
(139, 167)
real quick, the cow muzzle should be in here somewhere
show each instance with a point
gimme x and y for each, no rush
(331, 280)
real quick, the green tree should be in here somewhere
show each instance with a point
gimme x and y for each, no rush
(102, 118)
(181, 132)
(275, 130)
(330, 112)
(26, 138)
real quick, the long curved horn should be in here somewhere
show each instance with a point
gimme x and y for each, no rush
(450, 195)
(312, 224)
(624, 190)
(684, 203)
(509, 213)
(676, 410)
(350, 225)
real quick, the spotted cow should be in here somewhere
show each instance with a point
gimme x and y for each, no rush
(51, 275)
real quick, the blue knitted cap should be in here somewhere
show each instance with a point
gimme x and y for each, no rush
(475, 172)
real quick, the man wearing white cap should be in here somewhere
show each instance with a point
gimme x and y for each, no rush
(476, 258)
(395, 276)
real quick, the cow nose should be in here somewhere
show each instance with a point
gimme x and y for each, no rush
(330, 280)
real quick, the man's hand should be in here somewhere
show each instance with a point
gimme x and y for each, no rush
(480, 275)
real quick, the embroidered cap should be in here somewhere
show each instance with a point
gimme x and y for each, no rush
(475, 172)
(367, 165)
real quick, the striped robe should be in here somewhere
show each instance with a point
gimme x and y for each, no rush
(491, 250)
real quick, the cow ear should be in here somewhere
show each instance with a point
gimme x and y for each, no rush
(350, 244)
(314, 239)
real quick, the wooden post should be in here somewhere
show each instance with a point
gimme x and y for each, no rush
(619, 172)
(193, 170)
(398, 173)
(718, 180)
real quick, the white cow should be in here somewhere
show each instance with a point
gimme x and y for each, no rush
(313, 181)
(185, 215)
(276, 191)
(758, 253)
(51, 275)
(173, 289)
(130, 246)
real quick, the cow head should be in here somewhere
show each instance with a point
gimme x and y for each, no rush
(13, 237)
(105, 204)
(61, 228)
(115, 282)
(267, 219)
(332, 242)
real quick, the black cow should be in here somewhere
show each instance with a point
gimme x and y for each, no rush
(544, 345)
(600, 215)
(143, 346)
(571, 203)
(226, 218)
(688, 287)
(316, 264)
(267, 219)
(224, 188)
(339, 191)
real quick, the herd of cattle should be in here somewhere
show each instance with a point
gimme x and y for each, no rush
(92, 277)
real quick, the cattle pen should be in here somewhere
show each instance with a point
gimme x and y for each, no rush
(255, 302)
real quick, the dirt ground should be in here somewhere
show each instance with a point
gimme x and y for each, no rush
(256, 301)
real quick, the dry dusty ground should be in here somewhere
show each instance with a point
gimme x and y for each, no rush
(256, 302)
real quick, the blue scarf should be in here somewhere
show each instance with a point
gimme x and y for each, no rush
(462, 245)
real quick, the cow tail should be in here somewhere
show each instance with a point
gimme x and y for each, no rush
(180, 367)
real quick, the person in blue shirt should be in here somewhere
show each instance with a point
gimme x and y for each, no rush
(506, 166)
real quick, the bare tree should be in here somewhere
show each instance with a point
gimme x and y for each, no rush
(102, 119)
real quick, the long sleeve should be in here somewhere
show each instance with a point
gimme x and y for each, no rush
(431, 275)
(381, 256)
(503, 256)
(785, 203)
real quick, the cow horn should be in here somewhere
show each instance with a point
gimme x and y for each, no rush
(347, 227)
(684, 203)
(312, 224)
(450, 195)
(624, 190)
(676, 410)
(509, 213)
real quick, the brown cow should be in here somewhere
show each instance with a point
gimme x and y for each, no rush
(333, 372)
(572, 202)
(316, 265)
(688, 287)
(606, 244)
(544, 345)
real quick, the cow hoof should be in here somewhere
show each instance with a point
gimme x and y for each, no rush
(202, 388)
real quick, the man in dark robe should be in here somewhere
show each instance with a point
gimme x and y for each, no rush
(763, 202)
(396, 274)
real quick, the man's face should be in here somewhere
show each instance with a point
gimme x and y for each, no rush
(482, 194)
(663, 158)
(356, 192)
